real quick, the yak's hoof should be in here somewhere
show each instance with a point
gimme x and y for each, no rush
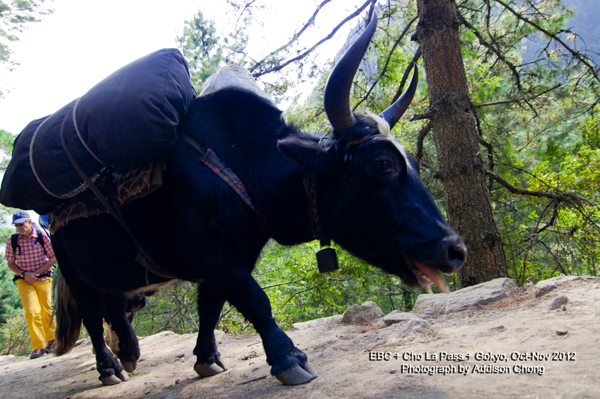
(114, 379)
(298, 374)
(208, 370)
(129, 366)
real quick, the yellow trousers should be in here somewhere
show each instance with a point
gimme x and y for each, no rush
(36, 300)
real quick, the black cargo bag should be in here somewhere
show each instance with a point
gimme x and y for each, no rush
(125, 121)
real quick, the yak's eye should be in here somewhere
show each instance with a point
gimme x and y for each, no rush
(383, 165)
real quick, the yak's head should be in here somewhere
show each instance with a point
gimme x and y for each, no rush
(370, 196)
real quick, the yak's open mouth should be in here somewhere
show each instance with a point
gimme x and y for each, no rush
(427, 275)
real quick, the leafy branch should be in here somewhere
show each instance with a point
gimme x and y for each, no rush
(295, 37)
(513, 100)
(269, 65)
(559, 197)
(553, 36)
(493, 48)
(387, 62)
(422, 134)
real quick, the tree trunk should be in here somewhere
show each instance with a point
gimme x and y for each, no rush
(460, 164)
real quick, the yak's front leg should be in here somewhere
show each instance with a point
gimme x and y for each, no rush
(210, 304)
(288, 363)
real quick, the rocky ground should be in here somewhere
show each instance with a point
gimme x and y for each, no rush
(492, 340)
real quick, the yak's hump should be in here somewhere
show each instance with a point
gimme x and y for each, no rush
(232, 75)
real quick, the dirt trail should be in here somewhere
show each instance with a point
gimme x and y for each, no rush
(524, 350)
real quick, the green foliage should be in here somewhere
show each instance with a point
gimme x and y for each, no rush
(10, 302)
(6, 145)
(298, 292)
(14, 17)
(572, 231)
(590, 133)
(206, 50)
(172, 309)
(14, 336)
(535, 95)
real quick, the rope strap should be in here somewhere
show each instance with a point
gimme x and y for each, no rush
(146, 260)
(31, 163)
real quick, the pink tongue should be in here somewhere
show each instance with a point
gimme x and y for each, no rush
(434, 275)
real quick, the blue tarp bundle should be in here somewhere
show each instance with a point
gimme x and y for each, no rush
(125, 121)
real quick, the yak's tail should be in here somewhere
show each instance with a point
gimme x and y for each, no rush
(68, 320)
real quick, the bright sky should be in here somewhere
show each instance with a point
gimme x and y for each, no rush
(81, 43)
(84, 41)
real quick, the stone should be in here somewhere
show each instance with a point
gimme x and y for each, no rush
(544, 287)
(365, 313)
(414, 329)
(305, 325)
(399, 317)
(466, 298)
(559, 302)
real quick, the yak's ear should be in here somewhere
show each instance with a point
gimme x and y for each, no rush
(305, 151)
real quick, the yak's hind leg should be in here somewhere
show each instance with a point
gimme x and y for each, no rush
(288, 363)
(111, 371)
(208, 360)
(85, 304)
(115, 307)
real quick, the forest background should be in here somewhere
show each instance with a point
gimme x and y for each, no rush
(532, 73)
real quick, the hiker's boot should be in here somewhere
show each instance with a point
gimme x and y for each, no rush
(50, 346)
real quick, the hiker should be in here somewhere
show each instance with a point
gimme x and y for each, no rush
(30, 256)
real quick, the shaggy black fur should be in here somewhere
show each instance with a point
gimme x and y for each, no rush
(371, 202)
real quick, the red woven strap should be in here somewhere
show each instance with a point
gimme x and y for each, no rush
(228, 176)
(212, 161)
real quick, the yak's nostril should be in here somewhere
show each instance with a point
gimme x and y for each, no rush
(456, 251)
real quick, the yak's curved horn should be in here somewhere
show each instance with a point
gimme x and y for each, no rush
(397, 109)
(336, 98)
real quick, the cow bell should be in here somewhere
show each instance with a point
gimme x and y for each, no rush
(327, 260)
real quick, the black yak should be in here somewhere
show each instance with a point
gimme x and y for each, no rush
(368, 198)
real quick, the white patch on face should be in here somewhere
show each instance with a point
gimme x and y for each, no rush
(402, 150)
(384, 130)
(382, 125)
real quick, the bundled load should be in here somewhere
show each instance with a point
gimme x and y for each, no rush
(127, 120)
